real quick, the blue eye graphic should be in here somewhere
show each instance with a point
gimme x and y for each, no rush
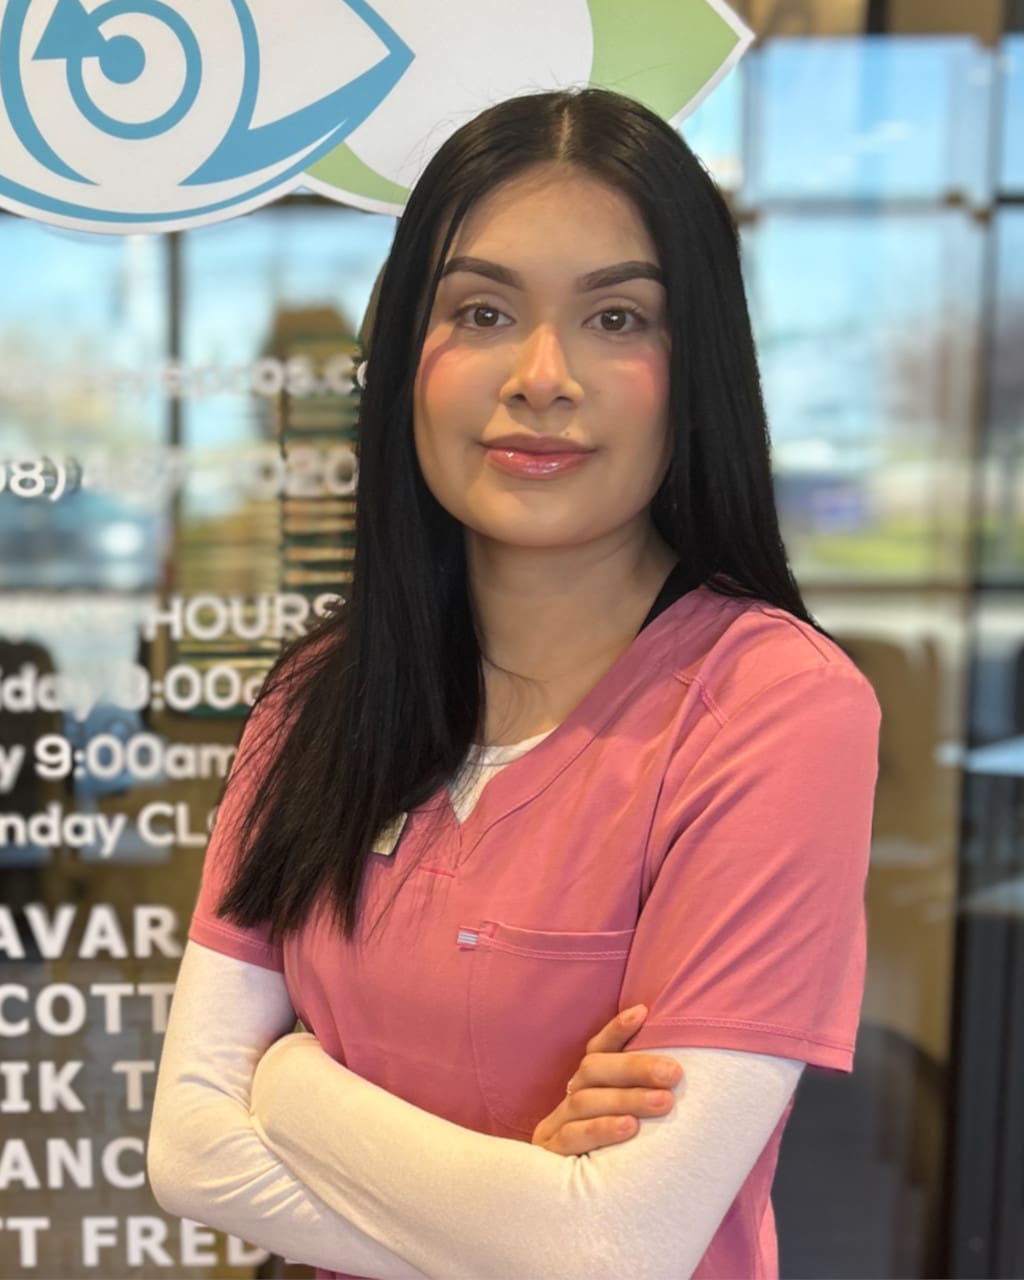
(92, 96)
(154, 115)
(73, 35)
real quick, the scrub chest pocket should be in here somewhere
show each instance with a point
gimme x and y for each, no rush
(535, 999)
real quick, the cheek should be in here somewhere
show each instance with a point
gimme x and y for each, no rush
(448, 384)
(642, 387)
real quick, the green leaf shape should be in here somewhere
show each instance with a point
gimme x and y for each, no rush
(666, 55)
(343, 169)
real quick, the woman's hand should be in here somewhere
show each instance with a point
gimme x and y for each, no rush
(611, 1090)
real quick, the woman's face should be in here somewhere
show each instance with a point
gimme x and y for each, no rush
(520, 344)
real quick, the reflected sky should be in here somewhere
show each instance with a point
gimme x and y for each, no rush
(1013, 113)
(868, 117)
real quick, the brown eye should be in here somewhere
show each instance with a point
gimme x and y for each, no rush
(621, 315)
(630, 321)
(471, 314)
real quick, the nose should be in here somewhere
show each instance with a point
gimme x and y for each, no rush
(540, 373)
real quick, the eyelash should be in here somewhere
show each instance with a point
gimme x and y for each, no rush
(635, 312)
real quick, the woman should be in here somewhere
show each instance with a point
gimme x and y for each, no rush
(573, 745)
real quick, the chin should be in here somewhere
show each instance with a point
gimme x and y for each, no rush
(525, 535)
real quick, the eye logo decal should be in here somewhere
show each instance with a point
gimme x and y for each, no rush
(73, 35)
(146, 114)
(154, 115)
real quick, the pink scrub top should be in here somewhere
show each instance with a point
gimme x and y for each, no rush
(694, 836)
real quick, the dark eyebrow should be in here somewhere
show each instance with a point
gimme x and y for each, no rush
(603, 278)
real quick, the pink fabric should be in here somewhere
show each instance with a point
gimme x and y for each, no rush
(694, 836)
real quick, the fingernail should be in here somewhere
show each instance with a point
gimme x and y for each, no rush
(658, 1098)
(667, 1072)
(634, 1014)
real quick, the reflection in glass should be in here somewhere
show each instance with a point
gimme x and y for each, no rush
(867, 331)
(892, 118)
(271, 306)
(714, 129)
(1011, 61)
(1002, 541)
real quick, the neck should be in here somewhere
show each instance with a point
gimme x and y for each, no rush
(548, 612)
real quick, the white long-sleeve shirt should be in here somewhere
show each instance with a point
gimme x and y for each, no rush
(323, 1167)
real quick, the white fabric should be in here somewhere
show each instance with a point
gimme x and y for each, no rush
(481, 765)
(205, 1159)
(291, 1151)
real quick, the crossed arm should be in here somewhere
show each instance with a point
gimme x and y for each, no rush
(259, 1132)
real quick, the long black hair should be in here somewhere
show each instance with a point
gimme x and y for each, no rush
(377, 706)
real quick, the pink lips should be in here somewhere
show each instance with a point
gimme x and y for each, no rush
(518, 462)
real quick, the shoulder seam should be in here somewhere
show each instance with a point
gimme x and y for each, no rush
(852, 673)
(841, 673)
(802, 628)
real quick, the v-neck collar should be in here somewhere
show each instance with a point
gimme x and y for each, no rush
(524, 778)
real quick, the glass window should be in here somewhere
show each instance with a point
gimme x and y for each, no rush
(240, 277)
(83, 328)
(1012, 66)
(271, 306)
(864, 327)
(714, 129)
(879, 118)
(1002, 556)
